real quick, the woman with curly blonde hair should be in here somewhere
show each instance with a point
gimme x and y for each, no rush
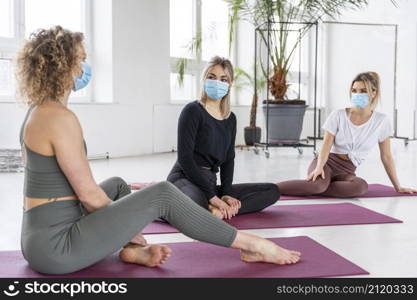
(48, 64)
(70, 222)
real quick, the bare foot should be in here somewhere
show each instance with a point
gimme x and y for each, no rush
(150, 255)
(215, 212)
(267, 251)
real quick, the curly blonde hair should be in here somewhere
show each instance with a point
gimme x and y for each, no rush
(47, 64)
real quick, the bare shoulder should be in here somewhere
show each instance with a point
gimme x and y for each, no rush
(58, 119)
(49, 123)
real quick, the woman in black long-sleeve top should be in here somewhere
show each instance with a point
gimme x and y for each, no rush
(206, 145)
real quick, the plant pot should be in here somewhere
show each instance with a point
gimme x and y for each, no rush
(252, 135)
(285, 122)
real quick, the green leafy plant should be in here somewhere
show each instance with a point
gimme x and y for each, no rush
(193, 47)
(244, 80)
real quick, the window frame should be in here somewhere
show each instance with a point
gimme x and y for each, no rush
(10, 46)
(195, 66)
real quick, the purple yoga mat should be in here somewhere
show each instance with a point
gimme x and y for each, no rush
(287, 216)
(374, 191)
(196, 259)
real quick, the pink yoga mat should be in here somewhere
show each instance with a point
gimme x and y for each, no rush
(196, 259)
(287, 216)
(374, 191)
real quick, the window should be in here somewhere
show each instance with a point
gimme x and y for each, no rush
(7, 41)
(180, 93)
(299, 73)
(6, 80)
(296, 86)
(19, 18)
(6, 18)
(47, 13)
(181, 27)
(215, 29)
(188, 19)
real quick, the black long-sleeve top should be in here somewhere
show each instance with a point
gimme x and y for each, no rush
(204, 141)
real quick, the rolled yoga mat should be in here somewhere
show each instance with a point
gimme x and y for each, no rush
(374, 191)
(196, 259)
(288, 216)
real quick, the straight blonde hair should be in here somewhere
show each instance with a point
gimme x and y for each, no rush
(372, 83)
(228, 68)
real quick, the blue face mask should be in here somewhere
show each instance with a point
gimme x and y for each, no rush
(82, 81)
(360, 99)
(216, 89)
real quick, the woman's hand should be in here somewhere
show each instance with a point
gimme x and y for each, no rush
(224, 208)
(316, 173)
(233, 202)
(389, 165)
(405, 190)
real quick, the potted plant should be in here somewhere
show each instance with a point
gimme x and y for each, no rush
(252, 133)
(285, 116)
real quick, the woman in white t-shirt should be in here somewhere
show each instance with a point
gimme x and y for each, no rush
(350, 134)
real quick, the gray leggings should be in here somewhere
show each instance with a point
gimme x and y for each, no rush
(61, 237)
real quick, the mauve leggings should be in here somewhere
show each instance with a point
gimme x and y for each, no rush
(340, 181)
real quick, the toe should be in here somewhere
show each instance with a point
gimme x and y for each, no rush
(167, 250)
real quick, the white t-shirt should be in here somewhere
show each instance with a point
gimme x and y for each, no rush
(356, 140)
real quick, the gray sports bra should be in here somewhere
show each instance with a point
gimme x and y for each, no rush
(43, 176)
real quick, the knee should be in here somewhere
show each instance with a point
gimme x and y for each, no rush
(183, 190)
(52, 266)
(357, 187)
(275, 193)
(176, 195)
(361, 186)
(318, 187)
(166, 187)
(119, 181)
(122, 185)
(173, 176)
